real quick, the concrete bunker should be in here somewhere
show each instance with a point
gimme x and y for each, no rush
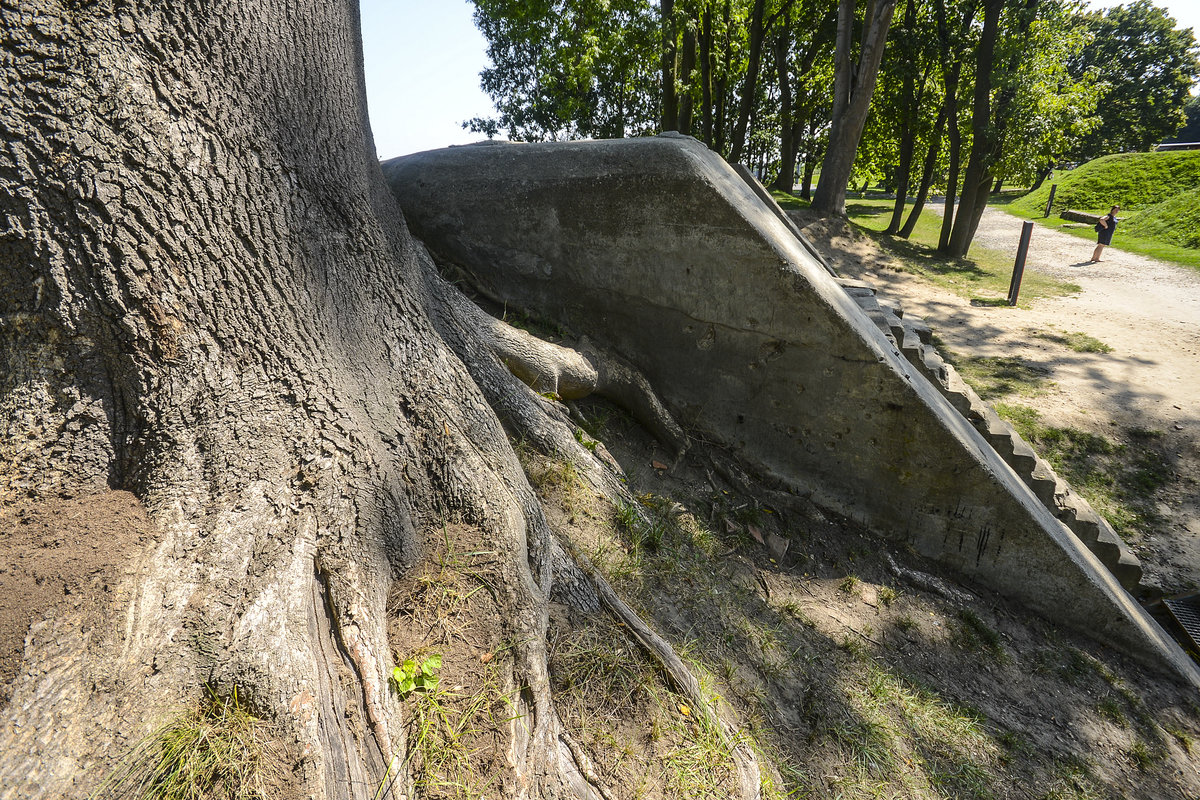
(658, 250)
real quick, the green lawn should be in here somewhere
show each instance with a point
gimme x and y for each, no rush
(1122, 239)
(1159, 195)
(983, 277)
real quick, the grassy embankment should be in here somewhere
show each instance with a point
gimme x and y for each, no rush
(1159, 195)
(983, 277)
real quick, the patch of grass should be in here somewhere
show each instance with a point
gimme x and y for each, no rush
(598, 667)
(972, 633)
(1144, 755)
(700, 765)
(999, 376)
(1120, 481)
(914, 740)
(887, 595)
(849, 585)
(788, 201)
(1112, 710)
(1079, 342)
(441, 732)
(983, 276)
(1180, 735)
(218, 750)
(1074, 780)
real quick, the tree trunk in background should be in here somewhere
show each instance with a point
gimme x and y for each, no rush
(910, 118)
(931, 156)
(1041, 178)
(786, 178)
(737, 143)
(706, 76)
(203, 266)
(721, 85)
(670, 98)
(853, 86)
(687, 65)
(952, 72)
(978, 179)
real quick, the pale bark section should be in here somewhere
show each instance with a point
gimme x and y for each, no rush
(208, 297)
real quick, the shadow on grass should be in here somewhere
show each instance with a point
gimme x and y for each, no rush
(923, 258)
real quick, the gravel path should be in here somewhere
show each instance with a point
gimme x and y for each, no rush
(1147, 311)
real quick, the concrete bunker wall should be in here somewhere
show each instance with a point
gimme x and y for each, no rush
(658, 249)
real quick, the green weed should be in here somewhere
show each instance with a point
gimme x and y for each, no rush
(1121, 481)
(217, 750)
(1079, 342)
(1110, 709)
(972, 633)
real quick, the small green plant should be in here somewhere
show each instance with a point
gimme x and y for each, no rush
(588, 443)
(1144, 756)
(412, 677)
(1180, 735)
(849, 584)
(1079, 342)
(974, 634)
(218, 750)
(887, 595)
(1110, 709)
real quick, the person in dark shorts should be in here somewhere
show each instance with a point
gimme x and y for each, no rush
(1104, 232)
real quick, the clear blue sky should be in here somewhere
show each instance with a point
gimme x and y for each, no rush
(423, 59)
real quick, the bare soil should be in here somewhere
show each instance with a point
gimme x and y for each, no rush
(61, 555)
(1147, 311)
(857, 668)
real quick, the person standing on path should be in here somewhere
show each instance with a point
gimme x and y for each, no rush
(1104, 229)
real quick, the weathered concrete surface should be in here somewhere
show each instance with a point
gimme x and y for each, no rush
(658, 249)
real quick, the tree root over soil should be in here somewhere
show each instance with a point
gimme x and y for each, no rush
(509, 353)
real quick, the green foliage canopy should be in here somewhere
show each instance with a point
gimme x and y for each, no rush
(1145, 68)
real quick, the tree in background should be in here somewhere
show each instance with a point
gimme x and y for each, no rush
(1190, 132)
(854, 83)
(1145, 68)
(570, 69)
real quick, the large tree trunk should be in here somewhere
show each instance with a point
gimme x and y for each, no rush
(853, 87)
(670, 96)
(687, 65)
(787, 125)
(706, 76)
(910, 106)
(977, 179)
(931, 156)
(205, 273)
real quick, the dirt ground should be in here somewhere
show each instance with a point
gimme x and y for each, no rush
(859, 673)
(1147, 311)
(62, 555)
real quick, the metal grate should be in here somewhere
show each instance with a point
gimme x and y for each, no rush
(1186, 611)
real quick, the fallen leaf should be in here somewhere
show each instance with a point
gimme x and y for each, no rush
(756, 533)
(685, 710)
(486, 657)
(658, 465)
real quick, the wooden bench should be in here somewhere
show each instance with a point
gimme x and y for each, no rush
(1080, 216)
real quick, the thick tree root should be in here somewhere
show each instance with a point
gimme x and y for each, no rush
(572, 374)
(717, 713)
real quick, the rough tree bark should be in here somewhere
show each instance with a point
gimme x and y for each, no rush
(209, 297)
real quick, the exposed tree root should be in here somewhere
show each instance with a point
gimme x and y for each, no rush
(573, 374)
